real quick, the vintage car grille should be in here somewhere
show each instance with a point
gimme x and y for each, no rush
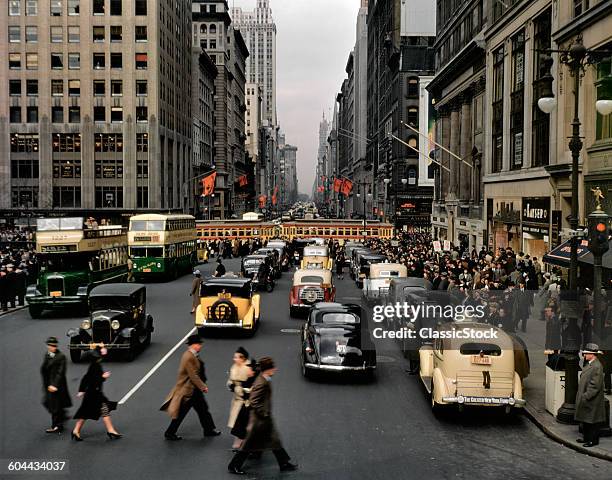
(55, 284)
(312, 294)
(101, 331)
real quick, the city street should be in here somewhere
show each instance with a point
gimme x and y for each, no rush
(332, 429)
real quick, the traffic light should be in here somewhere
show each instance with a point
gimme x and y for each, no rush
(598, 234)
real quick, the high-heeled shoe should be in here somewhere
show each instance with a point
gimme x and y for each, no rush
(54, 430)
(114, 436)
(75, 437)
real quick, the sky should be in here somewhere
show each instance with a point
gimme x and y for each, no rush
(313, 42)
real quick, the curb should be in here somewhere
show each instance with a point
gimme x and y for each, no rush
(558, 438)
(16, 309)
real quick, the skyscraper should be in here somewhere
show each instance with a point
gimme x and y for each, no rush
(259, 32)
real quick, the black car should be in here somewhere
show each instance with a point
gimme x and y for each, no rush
(365, 261)
(118, 320)
(336, 338)
(275, 257)
(259, 269)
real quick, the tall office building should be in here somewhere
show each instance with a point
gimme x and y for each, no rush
(259, 32)
(96, 111)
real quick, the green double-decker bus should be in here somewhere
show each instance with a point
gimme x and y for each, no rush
(162, 246)
(74, 258)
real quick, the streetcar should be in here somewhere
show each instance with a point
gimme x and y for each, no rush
(162, 246)
(236, 229)
(74, 258)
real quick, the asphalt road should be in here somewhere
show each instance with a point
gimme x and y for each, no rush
(332, 429)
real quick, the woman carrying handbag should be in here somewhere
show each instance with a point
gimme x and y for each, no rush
(240, 380)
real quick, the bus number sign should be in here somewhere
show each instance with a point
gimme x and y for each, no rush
(142, 239)
(58, 248)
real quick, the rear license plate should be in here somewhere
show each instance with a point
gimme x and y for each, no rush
(146, 270)
(478, 360)
(55, 294)
(340, 348)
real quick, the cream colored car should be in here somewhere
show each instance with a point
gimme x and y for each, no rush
(376, 287)
(309, 287)
(316, 257)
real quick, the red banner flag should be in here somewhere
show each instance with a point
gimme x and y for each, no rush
(262, 201)
(243, 181)
(337, 185)
(347, 187)
(209, 184)
(274, 199)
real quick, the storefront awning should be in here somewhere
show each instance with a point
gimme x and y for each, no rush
(560, 255)
(606, 261)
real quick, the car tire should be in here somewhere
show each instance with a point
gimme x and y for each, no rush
(306, 372)
(35, 311)
(75, 355)
(147, 339)
(436, 408)
(293, 313)
(130, 353)
(269, 287)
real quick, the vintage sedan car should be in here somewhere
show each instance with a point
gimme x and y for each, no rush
(118, 321)
(228, 302)
(336, 338)
(259, 269)
(362, 270)
(356, 255)
(281, 247)
(316, 257)
(472, 372)
(376, 287)
(309, 287)
(274, 256)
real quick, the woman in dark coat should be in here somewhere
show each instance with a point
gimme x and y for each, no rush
(95, 404)
(56, 397)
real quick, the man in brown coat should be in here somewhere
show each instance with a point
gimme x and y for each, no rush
(189, 392)
(261, 433)
(590, 400)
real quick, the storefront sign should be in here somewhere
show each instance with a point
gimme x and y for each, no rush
(536, 210)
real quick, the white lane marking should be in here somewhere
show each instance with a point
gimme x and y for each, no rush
(135, 388)
(290, 330)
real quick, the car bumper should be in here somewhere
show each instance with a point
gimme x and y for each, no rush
(239, 325)
(339, 368)
(51, 302)
(108, 346)
(485, 401)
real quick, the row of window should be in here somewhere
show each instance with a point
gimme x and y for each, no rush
(71, 142)
(74, 88)
(56, 34)
(71, 168)
(73, 7)
(70, 197)
(100, 114)
(74, 61)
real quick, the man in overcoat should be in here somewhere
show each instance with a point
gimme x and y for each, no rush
(189, 392)
(56, 397)
(590, 400)
(195, 290)
(261, 432)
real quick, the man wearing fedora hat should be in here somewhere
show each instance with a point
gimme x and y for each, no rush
(55, 387)
(590, 400)
(189, 392)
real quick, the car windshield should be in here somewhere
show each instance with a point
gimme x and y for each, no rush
(110, 303)
(311, 279)
(143, 252)
(476, 348)
(66, 262)
(339, 318)
(55, 224)
(212, 290)
(146, 225)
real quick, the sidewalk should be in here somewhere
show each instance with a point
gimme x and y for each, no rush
(534, 392)
(11, 310)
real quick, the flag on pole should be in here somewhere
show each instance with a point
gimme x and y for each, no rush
(243, 181)
(274, 199)
(209, 184)
(347, 187)
(337, 185)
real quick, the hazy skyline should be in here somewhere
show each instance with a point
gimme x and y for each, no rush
(314, 39)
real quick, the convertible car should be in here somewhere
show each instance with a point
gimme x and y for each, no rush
(336, 338)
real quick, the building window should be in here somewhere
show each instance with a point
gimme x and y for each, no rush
(74, 114)
(109, 197)
(108, 142)
(142, 197)
(413, 117)
(14, 34)
(580, 6)
(74, 61)
(55, 8)
(24, 143)
(66, 168)
(115, 7)
(140, 33)
(414, 143)
(27, 168)
(116, 88)
(142, 168)
(31, 8)
(74, 34)
(32, 88)
(109, 168)
(517, 99)
(32, 61)
(116, 33)
(57, 61)
(498, 110)
(141, 61)
(66, 142)
(213, 44)
(67, 197)
(98, 34)
(116, 60)
(15, 87)
(14, 61)
(74, 88)
(116, 114)
(203, 28)
(57, 114)
(412, 176)
(140, 7)
(31, 34)
(74, 7)
(141, 88)
(603, 86)
(57, 88)
(15, 114)
(32, 115)
(98, 61)
(24, 197)
(141, 114)
(14, 7)
(212, 28)
(99, 113)
(540, 136)
(142, 144)
(57, 35)
(99, 89)
(98, 7)
(413, 87)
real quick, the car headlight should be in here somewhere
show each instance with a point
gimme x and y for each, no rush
(511, 401)
(460, 399)
(86, 324)
(115, 324)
